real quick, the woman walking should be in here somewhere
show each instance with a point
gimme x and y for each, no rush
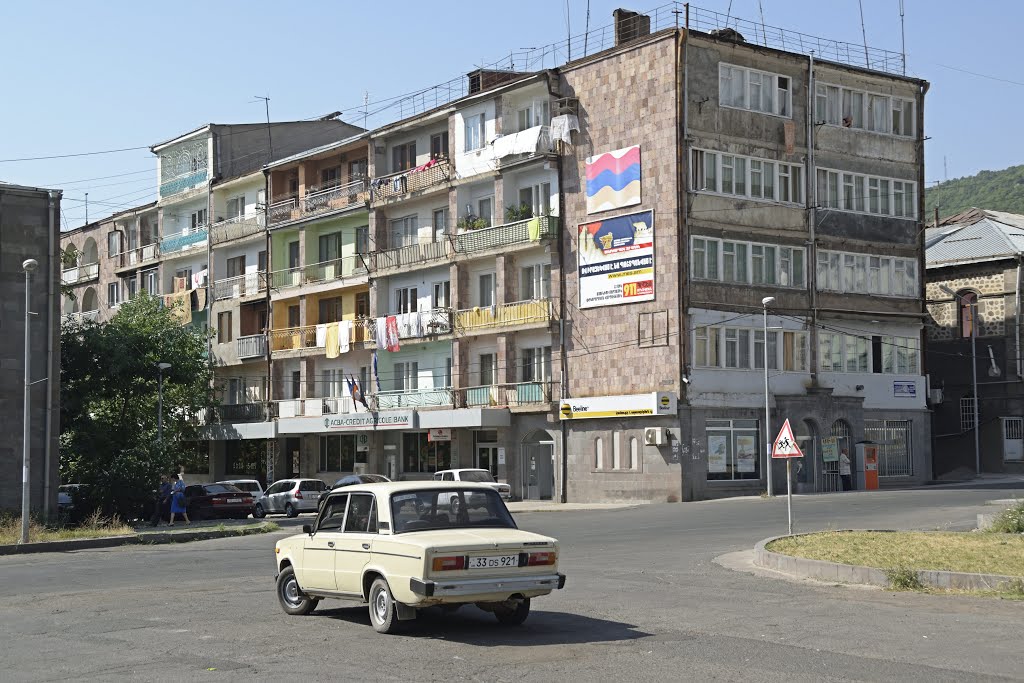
(178, 502)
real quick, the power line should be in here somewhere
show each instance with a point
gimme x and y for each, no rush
(79, 154)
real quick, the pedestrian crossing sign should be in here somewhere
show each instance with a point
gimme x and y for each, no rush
(785, 444)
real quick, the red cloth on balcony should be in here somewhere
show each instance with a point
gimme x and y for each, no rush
(391, 333)
(424, 167)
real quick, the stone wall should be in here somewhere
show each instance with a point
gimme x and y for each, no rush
(989, 281)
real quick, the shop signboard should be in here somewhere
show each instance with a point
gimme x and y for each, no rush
(630, 405)
(439, 434)
(351, 422)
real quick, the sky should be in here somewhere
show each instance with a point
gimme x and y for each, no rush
(82, 77)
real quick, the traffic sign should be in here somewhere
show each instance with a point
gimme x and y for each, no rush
(785, 444)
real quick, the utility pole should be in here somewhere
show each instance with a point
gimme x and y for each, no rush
(767, 404)
(29, 266)
(270, 139)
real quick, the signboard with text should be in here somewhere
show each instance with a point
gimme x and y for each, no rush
(616, 260)
(630, 405)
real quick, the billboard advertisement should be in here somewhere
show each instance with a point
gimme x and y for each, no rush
(616, 260)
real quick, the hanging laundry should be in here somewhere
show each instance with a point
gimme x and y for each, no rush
(376, 375)
(424, 167)
(321, 336)
(533, 229)
(391, 334)
(562, 127)
(199, 278)
(344, 335)
(332, 340)
(379, 333)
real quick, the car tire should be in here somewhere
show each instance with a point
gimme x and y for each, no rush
(289, 594)
(290, 510)
(383, 615)
(258, 512)
(514, 616)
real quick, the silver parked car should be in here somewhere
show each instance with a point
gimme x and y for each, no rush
(290, 497)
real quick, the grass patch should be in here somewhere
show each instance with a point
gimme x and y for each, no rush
(897, 550)
(903, 579)
(95, 526)
(1010, 520)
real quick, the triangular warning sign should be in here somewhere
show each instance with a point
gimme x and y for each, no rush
(785, 444)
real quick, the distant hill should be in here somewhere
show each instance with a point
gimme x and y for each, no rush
(995, 190)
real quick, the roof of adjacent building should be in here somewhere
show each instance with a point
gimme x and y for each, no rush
(318, 150)
(974, 236)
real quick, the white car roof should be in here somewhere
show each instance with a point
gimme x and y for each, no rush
(387, 488)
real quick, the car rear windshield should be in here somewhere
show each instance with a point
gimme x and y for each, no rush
(448, 509)
(221, 488)
(248, 486)
(315, 485)
(476, 475)
(373, 478)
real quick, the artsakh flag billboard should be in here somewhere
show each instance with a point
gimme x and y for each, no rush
(613, 179)
(615, 259)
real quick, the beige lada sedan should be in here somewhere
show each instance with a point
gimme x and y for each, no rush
(398, 547)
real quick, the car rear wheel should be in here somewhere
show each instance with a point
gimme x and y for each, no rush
(514, 614)
(383, 615)
(290, 510)
(258, 512)
(291, 597)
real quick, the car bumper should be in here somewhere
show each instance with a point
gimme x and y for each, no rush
(461, 587)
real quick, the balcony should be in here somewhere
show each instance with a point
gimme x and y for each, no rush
(429, 176)
(503, 236)
(237, 227)
(82, 273)
(414, 398)
(183, 241)
(315, 336)
(183, 182)
(335, 197)
(240, 286)
(238, 412)
(410, 255)
(518, 314)
(514, 395)
(315, 407)
(420, 324)
(79, 317)
(335, 269)
(137, 256)
(251, 346)
(282, 209)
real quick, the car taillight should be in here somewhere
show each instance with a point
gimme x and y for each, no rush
(450, 563)
(298, 494)
(537, 559)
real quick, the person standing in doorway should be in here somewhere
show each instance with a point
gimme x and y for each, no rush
(178, 501)
(844, 470)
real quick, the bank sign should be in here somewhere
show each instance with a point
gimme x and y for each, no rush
(616, 260)
(631, 405)
(353, 422)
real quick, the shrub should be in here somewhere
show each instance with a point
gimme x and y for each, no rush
(903, 579)
(1010, 521)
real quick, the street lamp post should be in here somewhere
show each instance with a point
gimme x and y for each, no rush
(974, 375)
(29, 266)
(160, 367)
(767, 405)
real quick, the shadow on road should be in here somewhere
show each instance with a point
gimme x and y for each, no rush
(473, 626)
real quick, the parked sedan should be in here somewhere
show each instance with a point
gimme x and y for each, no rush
(396, 548)
(290, 497)
(477, 476)
(204, 501)
(361, 479)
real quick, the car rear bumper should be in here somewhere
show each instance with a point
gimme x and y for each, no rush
(436, 589)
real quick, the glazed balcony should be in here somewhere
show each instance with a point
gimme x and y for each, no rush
(335, 196)
(240, 286)
(430, 176)
(518, 314)
(315, 336)
(315, 407)
(504, 236)
(236, 228)
(513, 395)
(81, 273)
(183, 241)
(414, 398)
(410, 255)
(251, 346)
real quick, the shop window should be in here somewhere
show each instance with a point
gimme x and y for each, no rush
(337, 453)
(732, 450)
(421, 455)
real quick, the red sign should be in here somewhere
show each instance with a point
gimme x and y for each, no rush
(785, 444)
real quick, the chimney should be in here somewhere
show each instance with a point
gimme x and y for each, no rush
(630, 25)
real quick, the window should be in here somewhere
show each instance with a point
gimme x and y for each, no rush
(745, 176)
(760, 91)
(861, 353)
(363, 239)
(598, 453)
(616, 451)
(293, 316)
(839, 106)
(634, 453)
(439, 145)
(357, 169)
(826, 104)
(474, 132)
(967, 413)
(536, 364)
(537, 198)
(535, 114)
(865, 274)
(224, 327)
(361, 517)
(130, 287)
(902, 117)
(330, 177)
(293, 254)
(535, 282)
(440, 224)
(791, 186)
(485, 290)
(337, 453)
(488, 361)
(333, 514)
(732, 449)
(735, 348)
(329, 310)
(403, 157)
(362, 305)
(150, 282)
(404, 232)
(407, 376)
(329, 246)
(236, 207)
(968, 304)
(878, 113)
(867, 194)
(113, 295)
(441, 294)
(421, 455)
(198, 219)
(485, 211)
(405, 299)
(762, 259)
(235, 266)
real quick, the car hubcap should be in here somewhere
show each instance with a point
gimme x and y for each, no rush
(291, 593)
(380, 605)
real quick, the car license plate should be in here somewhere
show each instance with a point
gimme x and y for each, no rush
(495, 562)
(234, 500)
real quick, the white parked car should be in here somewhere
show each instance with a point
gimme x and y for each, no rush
(477, 476)
(250, 486)
(396, 547)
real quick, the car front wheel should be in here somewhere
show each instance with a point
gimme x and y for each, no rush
(514, 614)
(383, 615)
(291, 597)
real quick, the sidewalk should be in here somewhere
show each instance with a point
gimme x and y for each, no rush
(552, 506)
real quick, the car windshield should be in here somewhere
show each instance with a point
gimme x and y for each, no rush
(220, 488)
(246, 486)
(314, 485)
(373, 478)
(476, 475)
(454, 508)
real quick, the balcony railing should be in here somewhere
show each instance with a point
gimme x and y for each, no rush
(520, 232)
(182, 182)
(236, 227)
(420, 324)
(283, 209)
(335, 269)
(82, 273)
(138, 255)
(183, 240)
(534, 312)
(80, 317)
(251, 346)
(238, 412)
(335, 196)
(402, 257)
(507, 395)
(398, 184)
(239, 286)
(414, 398)
(314, 407)
(310, 337)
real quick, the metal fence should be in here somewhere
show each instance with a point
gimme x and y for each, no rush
(895, 446)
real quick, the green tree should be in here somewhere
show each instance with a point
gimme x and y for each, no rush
(109, 398)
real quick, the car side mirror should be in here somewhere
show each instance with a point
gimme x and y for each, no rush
(307, 528)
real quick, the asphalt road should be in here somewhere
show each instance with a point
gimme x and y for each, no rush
(645, 601)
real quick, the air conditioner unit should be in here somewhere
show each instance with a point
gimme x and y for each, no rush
(654, 436)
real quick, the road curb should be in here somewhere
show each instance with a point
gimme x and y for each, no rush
(822, 570)
(145, 538)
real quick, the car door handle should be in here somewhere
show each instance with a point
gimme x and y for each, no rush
(330, 544)
(366, 546)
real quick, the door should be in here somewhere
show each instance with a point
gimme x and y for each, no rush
(487, 458)
(352, 552)
(319, 549)
(538, 475)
